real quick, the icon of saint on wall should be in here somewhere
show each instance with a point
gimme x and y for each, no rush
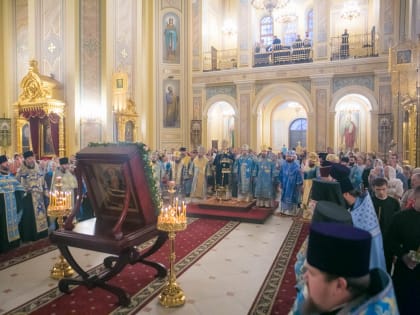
(172, 108)
(171, 39)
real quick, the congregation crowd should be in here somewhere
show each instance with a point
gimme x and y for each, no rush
(381, 202)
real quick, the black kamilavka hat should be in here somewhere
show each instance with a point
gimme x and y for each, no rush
(64, 160)
(327, 211)
(339, 249)
(28, 154)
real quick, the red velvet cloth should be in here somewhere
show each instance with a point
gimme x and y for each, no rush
(36, 118)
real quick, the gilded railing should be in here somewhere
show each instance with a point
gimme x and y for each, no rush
(354, 46)
(220, 60)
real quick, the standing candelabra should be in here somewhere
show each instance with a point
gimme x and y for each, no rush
(172, 220)
(59, 207)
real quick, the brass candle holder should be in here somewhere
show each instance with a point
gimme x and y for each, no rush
(59, 207)
(172, 220)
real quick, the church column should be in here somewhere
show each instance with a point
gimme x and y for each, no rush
(311, 143)
(246, 128)
(173, 90)
(321, 87)
(382, 118)
(244, 34)
(199, 117)
(321, 27)
(91, 108)
(388, 25)
(196, 33)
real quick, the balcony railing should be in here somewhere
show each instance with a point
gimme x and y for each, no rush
(220, 59)
(280, 54)
(342, 47)
(354, 46)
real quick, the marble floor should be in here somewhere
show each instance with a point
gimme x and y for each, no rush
(224, 281)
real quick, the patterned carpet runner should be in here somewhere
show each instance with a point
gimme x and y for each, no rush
(25, 252)
(138, 280)
(278, 292)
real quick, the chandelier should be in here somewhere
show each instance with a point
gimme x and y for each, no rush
(350, 11)
(269, 5)
(286, 14)
(229, 28)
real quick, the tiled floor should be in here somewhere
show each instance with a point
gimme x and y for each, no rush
(225, 281)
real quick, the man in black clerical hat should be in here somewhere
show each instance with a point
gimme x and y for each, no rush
(325, 211)
(363, 215)
(338, 279)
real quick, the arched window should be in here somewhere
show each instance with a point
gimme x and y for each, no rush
(297, 132)
(310, 23)
(266, 30)
(290, 33)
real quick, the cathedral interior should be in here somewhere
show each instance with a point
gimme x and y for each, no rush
(170, 73)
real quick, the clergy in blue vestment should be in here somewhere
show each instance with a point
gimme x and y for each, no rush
(291, 180)
(264, 176)
(243, 170)
(364, 217)
(33, 225)
(11, 194)
(338, 279)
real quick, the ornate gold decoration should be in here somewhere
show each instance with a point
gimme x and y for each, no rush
(172, 220)
(406, 100)
(59, 207)
(40, 94)
(126, 121)
(36, 86)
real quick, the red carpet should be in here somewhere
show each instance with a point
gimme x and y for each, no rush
(278, 292)
(251, 215)
(25, 251)
(138, 280)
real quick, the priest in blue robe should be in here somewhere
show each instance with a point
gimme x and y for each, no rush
(291, 181)
(33, 225)
(11, 194)
(264, 177)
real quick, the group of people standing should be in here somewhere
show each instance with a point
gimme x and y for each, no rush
(375, 200)
(244, 174)
(360, 207)
(25, 184)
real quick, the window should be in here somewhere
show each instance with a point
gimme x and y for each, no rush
(290, 34)
(298, 124)
(266, 30)
(297, 132)
(310, 23)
